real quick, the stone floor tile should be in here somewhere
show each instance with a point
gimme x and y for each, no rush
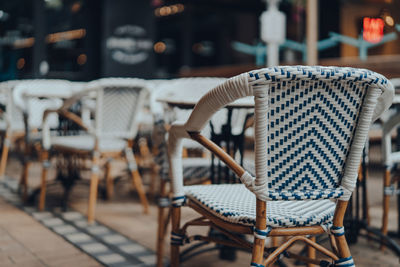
(78, 237)
(52, 222)
(132, 248)
(94, 248)
(72, 215)
(114, 239)
(98, 230)
(65, 229)
(111, 258)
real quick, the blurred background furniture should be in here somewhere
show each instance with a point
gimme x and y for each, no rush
(196, 164)
(32, 98)
(12, 123)
(391, 159)
(118, 102)
(311, 124)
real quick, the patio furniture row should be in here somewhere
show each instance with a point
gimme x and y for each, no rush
(310, 127)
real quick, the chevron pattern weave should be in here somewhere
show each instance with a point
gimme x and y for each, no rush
(310, 128)
(234, 203)
(118, 111)
(312, 113)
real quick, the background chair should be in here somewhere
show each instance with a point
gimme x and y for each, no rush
(311, 124)
(32, 98)
(198, 165)
(12, 123)
(391, 157)
(118, 102)
(196, 168)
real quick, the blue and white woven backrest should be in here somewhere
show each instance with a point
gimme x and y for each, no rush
(311, 124)
(119, 102)
(309, 118)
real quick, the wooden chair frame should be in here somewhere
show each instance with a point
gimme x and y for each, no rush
(338, 243)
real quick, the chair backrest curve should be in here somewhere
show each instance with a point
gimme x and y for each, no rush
(119, 101)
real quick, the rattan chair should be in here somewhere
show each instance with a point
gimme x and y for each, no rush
(32, 98)
(311, 124)
(390, 159)
(12, 123)
(118, 102)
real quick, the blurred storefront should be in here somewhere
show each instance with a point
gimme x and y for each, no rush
(88, 39)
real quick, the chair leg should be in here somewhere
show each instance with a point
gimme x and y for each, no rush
(45, 168)
(160, 236)
(136, 179)
(259, 243)
(94, 182)
(342, 246)
(175, 221)
(162, 225)
(386, 202)
(23, 182)
(343, 251)
(4, 155)
(153, 180)
(109, 181)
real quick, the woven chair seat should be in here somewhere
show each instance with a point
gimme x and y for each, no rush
(234, 203)
(86, 142)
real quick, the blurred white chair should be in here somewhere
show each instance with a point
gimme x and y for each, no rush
(12, 123)
(118, 102)
(391, 155)
(196, 169)
(32, 98)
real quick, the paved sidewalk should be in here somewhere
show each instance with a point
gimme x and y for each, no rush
(25, 242)
(123, 214)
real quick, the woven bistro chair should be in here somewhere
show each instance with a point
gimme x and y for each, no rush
(391, 157)
(32, 98)
(311, 124)
(12, 123)
(118, 102)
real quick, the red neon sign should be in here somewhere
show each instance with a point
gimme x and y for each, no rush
(373, 29)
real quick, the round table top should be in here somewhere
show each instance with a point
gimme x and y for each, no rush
(187, 97)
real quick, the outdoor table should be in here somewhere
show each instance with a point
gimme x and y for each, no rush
(187, 98)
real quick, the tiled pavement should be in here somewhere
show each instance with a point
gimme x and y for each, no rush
(102, 243)
(124, 214)
(25, 242)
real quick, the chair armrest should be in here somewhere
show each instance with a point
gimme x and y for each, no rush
(177, 133)
(225, 93)
(219, 152)
(64, 113)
